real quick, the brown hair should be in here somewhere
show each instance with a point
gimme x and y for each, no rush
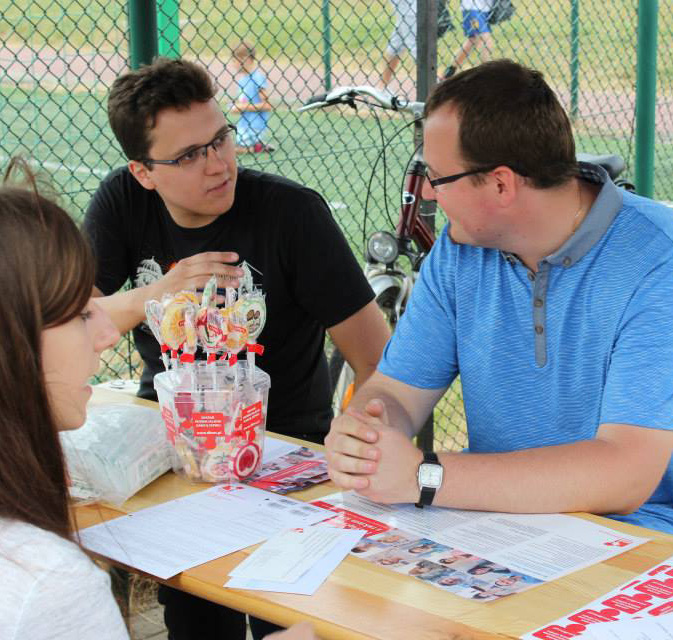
(244, 50)
(510, 116)
(137, 97)
(46, 276)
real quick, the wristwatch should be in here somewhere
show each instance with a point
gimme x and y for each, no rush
(430, 476)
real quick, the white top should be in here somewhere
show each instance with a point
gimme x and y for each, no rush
(50, 589)
(476, 5)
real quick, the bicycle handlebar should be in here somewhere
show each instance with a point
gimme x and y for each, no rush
(347, 95)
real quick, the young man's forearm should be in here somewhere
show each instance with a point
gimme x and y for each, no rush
(126, 308)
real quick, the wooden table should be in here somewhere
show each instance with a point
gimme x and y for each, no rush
(361, 600)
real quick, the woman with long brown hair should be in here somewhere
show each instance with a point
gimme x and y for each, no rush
(51, 335)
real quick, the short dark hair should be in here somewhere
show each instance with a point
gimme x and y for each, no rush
(510, 116)
(137, 97)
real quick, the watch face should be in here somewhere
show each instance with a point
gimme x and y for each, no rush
(430, 475)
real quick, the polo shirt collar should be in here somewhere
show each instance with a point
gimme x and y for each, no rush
(595, 223)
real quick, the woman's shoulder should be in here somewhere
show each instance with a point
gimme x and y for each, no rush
(25, 548)
(51, 587)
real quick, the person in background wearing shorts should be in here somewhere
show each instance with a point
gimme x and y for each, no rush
(477, 30)
(403, 36)
(252, 103)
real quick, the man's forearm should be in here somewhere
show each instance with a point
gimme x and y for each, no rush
(126, 308)
(398, 417)
(598, 476)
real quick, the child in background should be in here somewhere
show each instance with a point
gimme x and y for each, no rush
(252, 103)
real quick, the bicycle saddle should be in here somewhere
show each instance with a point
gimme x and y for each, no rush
(613, 164)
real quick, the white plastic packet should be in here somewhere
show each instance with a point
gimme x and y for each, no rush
(120, 449)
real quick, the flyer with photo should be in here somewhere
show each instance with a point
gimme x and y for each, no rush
(473, 554)
(295, 470)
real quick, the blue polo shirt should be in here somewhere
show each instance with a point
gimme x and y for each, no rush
(547, 357)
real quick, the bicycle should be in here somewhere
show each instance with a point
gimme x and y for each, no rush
(413, 237)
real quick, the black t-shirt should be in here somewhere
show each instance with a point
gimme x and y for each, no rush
(309, 275)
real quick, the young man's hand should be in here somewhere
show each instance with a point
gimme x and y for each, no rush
(195, 271)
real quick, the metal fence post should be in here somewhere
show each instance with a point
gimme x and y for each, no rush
(426, 78)
(574, 58)
(168, 23)
(327, 44)
(646, 95)
(142, 32)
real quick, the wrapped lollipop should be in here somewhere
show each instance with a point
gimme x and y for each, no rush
(190, 343)
(251, 308)
(154, 313)
(237, 336)
(211, 328)
(172, 328)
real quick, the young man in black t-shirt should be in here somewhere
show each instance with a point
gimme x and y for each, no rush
(181, 211)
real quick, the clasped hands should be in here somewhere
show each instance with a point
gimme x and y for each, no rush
(367, 454)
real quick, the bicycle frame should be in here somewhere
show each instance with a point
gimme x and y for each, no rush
(411, 225)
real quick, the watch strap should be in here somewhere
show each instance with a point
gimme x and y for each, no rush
(427, 493)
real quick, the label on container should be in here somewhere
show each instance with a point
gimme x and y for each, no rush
(209, 426)
(251, 416)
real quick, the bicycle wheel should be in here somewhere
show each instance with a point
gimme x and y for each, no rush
(342, 377)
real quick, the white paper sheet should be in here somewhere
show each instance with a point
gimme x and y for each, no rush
(315, 574)
(633, 630)
(647, 597)
(177, 535)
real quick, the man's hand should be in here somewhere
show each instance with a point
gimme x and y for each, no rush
(395, 479)
(366, 454)
(351, 456)
(195, 271)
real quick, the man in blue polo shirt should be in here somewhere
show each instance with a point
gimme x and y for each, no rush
(551, 293)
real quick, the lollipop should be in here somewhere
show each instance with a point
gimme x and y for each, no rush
(190, 343)
(209, 297)
(211, 328)
(154, 312)
(245, 460)
(237, 336)
(251, 308)
(173, 327)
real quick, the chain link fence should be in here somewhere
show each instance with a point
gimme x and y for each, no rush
(58, 59)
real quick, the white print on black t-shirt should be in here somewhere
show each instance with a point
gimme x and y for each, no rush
(148, 272)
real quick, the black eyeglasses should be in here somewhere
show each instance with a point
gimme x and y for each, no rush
(197, 155)
(456, 176)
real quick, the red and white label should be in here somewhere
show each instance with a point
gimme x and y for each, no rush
(209, 426)
(252, 416)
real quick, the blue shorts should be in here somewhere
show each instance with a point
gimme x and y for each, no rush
(475, 22)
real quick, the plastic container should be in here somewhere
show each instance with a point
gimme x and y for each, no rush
(215, 419)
